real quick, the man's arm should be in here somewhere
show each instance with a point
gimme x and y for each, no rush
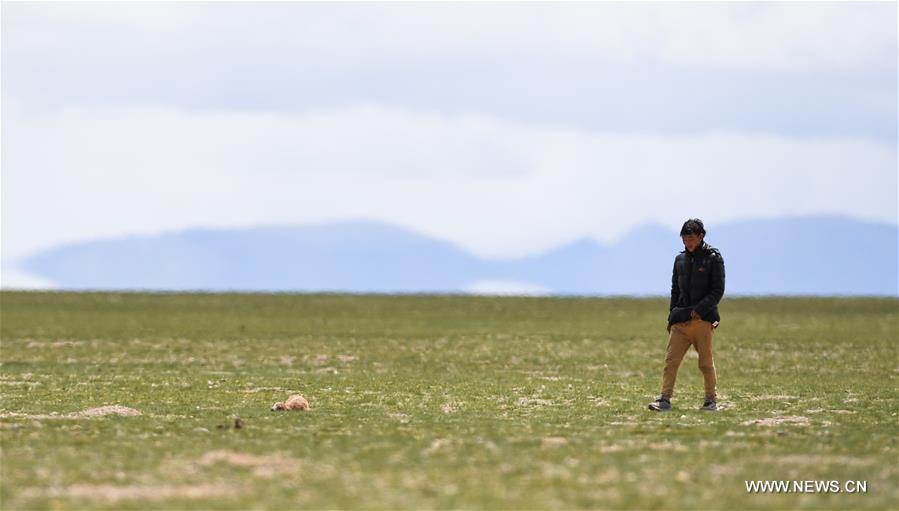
(675, 290)
(716, 288)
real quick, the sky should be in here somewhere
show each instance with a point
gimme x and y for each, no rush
(505, 128)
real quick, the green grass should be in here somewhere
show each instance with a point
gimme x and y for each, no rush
(437, 402)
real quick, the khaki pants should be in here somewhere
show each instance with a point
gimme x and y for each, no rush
(697, 333)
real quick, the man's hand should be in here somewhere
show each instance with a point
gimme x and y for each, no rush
(693, 315)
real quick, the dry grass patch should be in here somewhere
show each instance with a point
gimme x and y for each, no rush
(534, 402)
(263, 389)
(262, 466)
(439, 444)
(772, 397)
(401, 417)
(778, 420)
(113, 494)
(813, 459)
(668, 446)
(89, 413)
(553, 441)
(63, 343)
(451, 407)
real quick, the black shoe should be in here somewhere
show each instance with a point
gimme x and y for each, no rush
(660, 405)
(710, 406)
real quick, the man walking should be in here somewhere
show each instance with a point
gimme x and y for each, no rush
(697, 285)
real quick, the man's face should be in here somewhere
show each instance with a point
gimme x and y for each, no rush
(691, 241)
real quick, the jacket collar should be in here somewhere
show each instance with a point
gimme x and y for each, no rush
(700, 250)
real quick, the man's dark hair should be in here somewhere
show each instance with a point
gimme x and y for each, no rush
(692, 226)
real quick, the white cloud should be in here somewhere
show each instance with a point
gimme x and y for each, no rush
(790, 69)
(788, 36)
(143, 17)
(13, 278)
(506, 288)
(496, 188)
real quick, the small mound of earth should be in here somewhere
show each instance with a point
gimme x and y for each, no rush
(107, 410)
(780, 419)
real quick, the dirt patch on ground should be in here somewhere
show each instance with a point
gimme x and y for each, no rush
(553, 441)
(35, 416)
(719, 471)
(107, 410)
(402, 417)
(15, 383)
(668, 446)
(263, 389)
(438, 444)
(114, 494)
(534, 402)
(772, 397)
(451, 407)
(263, 466)
(83, 414)
(812, 459)
(317, 360)
(778, 420)
(54, 344)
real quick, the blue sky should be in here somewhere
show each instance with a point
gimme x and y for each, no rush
(506, 128)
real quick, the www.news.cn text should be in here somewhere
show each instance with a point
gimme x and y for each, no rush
(806, 486)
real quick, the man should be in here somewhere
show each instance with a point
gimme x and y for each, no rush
(697, 285)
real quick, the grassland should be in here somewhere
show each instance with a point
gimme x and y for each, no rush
(436, 402)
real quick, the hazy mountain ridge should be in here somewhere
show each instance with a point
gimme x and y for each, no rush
(809, 255)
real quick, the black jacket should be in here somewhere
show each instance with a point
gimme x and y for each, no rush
(697, 284)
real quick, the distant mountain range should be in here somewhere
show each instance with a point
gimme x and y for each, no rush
(795, 256)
